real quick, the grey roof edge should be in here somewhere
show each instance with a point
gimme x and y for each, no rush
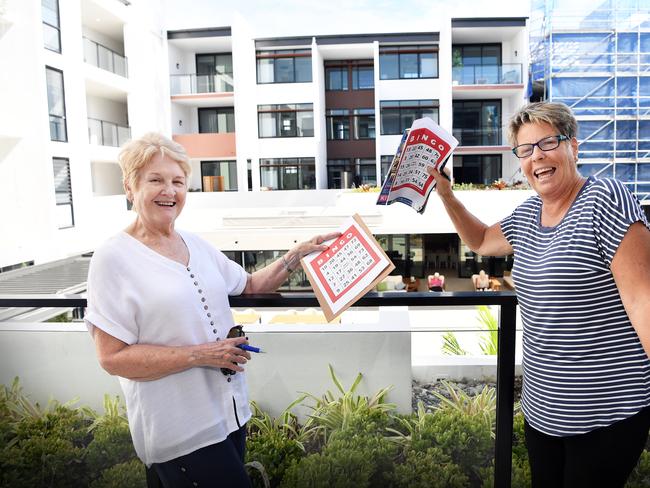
(348, 39)
(198, 33)
(489, 22)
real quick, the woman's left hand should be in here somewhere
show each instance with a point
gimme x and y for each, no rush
(312, 245)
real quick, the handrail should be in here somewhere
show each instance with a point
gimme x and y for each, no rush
(505, 356)
(183, 84)
(116, 62)
(117, 136)
(490, 74)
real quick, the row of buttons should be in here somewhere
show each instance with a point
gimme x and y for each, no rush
(205, 307)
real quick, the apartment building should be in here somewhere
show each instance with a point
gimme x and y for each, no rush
(279, 130)
(77, 84)
(287, 121)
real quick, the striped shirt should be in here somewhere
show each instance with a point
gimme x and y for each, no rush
(584, 366)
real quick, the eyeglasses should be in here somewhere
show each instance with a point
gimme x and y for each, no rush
(546, 144)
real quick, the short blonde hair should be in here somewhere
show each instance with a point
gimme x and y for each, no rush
(556, 114)
(136, 154)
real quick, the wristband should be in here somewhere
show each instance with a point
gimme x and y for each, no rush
(286, 266)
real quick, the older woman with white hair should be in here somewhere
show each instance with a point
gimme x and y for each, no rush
(159, 314)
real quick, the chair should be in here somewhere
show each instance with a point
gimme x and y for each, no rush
(392, 283)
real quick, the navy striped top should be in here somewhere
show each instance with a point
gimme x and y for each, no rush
(584, 366)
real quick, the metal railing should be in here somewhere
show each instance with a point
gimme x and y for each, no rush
(192, 83)
(495, 74)
(485, 136)
(104, 58)
(507, 301)
(105, 133)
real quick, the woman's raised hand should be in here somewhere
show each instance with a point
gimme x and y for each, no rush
(443, 184)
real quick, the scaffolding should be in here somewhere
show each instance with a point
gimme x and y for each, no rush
(596, 59)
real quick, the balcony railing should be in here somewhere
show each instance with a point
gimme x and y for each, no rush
(189, 84)
(497, 74)
(58, 130)
(104, 58)
(507, 302)
(105, 133)
(485, 136)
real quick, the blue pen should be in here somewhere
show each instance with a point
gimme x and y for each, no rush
(246, 347)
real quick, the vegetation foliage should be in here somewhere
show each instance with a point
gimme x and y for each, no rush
(347, 440)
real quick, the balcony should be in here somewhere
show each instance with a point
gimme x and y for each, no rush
(104, 58)
(379, 347)
(504, 74)
(221, 145)
(198, 84)
(103, 133)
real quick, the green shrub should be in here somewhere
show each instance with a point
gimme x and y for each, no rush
(352, 458)
(130, 474)
(276, 452)
(47, 450)
(640, 477)
(428, 469)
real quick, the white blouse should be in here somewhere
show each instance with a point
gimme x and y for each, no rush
(141, 297)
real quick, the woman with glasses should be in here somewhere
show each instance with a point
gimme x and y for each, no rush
(581, 265)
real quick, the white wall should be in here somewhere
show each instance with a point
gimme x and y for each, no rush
(186, 60)
(106, 179)
(116, 45)
(107, 110)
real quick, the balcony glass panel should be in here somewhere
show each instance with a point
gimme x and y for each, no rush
(104, 58)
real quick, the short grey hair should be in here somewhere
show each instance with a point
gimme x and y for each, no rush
(555, 114)
(136, 154)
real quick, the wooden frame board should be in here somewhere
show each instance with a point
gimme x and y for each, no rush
(351, 266)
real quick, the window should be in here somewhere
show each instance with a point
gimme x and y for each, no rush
(407, 62)
(350, 173)
(339, 73)
(338, 125)
(51, 25)
(288, 173)
(477, 122)
(476, 63)
(214, 73)
(386, 161)
(216, 120)
(363, 78)
(286, 66)
(397, 116)
(63, 193)
(477, 169)
(226, 171)
(291, 120)
(336, 79)
(339, 122)
(12, 267)
(56, 104)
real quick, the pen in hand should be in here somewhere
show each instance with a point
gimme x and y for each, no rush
(246, 347)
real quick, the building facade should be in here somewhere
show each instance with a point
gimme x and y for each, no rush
(280, 131)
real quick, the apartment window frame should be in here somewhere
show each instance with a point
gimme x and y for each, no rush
(401, 109)
(401, 64)
(485, 139)
(284, 112)
(63, 119)
(349, 124)
(482, 162)
(230, 183)
(215, 75)
(278, 55)
(227, 111)
(459, 60)
(68, 192)
(300, 164)
(57, 27)
(354, 166)
(349, 75)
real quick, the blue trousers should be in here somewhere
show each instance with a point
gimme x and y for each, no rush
(214, 466)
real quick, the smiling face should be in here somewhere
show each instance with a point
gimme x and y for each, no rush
(160, 192)
(549, 173)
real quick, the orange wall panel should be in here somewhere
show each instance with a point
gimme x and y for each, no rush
(208, 145)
